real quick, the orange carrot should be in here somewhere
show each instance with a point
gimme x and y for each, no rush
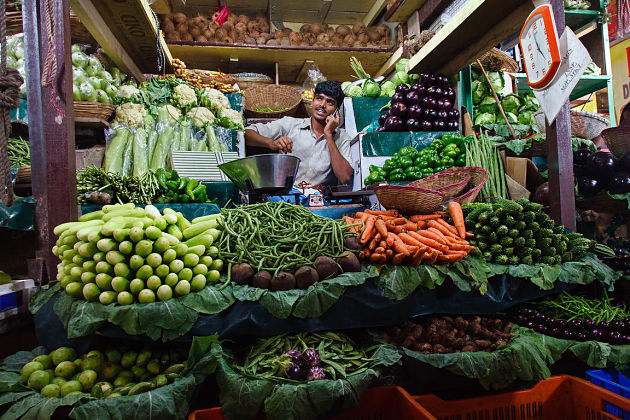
(363, 216)
(432, 235)
(391, 238)
(419, 217)
(398, 259)
(457, 215)
(449, 258)
(459, 247)
(393, 212)
(379, 250)
(400, 247)
(421, 224)
(409, 240)
(453, 252)
(448, 226)
(372, 244)
(399, 229)
(469, 235)
(429, 242)
(380, 227)
(398, 221)
(382, 243)
(368, 231)
(378, 258)
(389, 254)
(411, 226)
(439, 226)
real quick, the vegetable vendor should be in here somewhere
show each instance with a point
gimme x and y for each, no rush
(324, 149)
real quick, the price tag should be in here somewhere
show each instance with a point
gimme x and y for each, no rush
(315, 200)
(575, 60)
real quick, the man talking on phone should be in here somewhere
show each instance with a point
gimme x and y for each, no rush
(323, 148)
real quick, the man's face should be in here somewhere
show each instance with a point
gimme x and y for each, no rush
(323, 106)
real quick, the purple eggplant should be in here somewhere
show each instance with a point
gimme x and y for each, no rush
(581, 156)
(382, 118)
(414, 111)
(398, 97)
(438, 125)
(412, 98)
(316, 374)
(453, 114)
(310, 357)
(294, 372)
(588, 186)
(442, 115)
(448, 104)
(412, 124)
(601, 164)
(394, 123)
(295, 356)
(425, 102)
(449, 94)
(399, 109)
(402, 88)
(619, 183)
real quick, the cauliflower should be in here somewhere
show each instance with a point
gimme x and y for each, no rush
(126, 91)
(214, 99)
(168, 114)
(130, 114)
(200, 116)
(184, 96)
(232, 119)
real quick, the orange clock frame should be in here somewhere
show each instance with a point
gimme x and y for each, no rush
(550, 25)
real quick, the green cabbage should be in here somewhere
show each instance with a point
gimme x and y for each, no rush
(496, 80)
(511, 103)
(526, 118)
(401, 77)
(484, 119)
(414, 78)
(512, 118)
(101, 96)
(76, 93)
(388, 88)
(489, 104)
(354, 91)
(95, 82)
(344, 85)
(371, 88)
(79, 75)
(479, 91)
(401, 65)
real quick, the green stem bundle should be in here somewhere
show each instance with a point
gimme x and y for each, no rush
(483, 154)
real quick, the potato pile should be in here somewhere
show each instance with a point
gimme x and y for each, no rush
(242, 29)
(193, 77)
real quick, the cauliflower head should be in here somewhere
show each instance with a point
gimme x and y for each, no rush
(184, 96)
(130, 114)
(232, 119)
(200, 116)
(214, 99)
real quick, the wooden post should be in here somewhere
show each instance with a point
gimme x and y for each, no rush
(560, 152)
(51, 125)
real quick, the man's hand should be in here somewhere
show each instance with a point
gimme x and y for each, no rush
(284, 144)
(332, 122)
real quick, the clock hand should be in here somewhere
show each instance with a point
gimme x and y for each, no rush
(538, 46)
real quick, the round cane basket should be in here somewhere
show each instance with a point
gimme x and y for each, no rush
(585, 125)
(409, 200)
(249, 80)
(450, 182)
(273, 97)
(478, 177)
(84, 109)
(497, 60)
(618, 140)
(207, 77)
(14, 22)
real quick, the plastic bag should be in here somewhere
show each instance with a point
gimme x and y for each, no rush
(166, 133)
(118, 139)
(313, 77)
(185, 142)
(127, 168)
(199, 141)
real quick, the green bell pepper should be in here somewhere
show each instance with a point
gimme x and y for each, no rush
(389, 165)
(420, 162)
(447, 161)
(427, 172)
(452, 138)
(451, 150)
(432, 159)
(398, 177)
(408, 151)
(174, 175)
(396, 172)
(410, 172)
(461, 160)
(406, 162)
(440, 168)
(436, 144)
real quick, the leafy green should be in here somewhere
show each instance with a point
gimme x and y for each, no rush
(170, 401)
(243, 397)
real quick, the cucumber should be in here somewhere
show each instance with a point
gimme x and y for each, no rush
(139, 388)
(91, 216)
(175, 231)
(206, 218)
(182, 222)
(136, 212)
(202, 239)
(121, 235)
(113, 207)
(198, 228)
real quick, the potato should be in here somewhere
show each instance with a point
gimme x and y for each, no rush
(317, 28)
(252, 26)
(285, 42)
(349, 40)
(228, 26)
(383, 30)
(261, 40)
(187, 37)
(343, 30)
(358, 27)
(349, 262)
(179, 18)
(208, 34)
(243, 19)
(250, 40)
(323, 38)
(283, 281)
(266, 35)
(240, 27)
(363, 38)
(263, 26)
(242, 273)
(278, 34)
(182, 28)
(306, 276)
(220, 34)
(326, 267)
(306, 28)
(262, 280)
(195, 32)
(273, 42)
(373, 34)
(201, 38)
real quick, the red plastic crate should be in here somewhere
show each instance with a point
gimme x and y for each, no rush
(383, 403)
(559, 397)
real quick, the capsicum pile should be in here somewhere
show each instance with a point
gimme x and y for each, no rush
(409, 164)
(181, 189)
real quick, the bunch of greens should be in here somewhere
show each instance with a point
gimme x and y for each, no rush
(567, 306)
(370, 88)
(19, 152)
(483, 154)
(121, 189)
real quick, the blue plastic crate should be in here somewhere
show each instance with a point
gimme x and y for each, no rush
(9, 301)
(614, 381)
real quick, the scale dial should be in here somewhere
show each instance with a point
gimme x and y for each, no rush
(539, 46)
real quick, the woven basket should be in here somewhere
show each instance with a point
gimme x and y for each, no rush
(409, 200)
(78, 33)
(478, 177)
(14, 22)
(249, 80)
(84, 109)
(307, 105)
(585, 125)
(618, 140)
(274, 97)
(497, 60)
(450, 182)
(23, 175)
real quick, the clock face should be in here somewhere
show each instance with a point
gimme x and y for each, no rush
(539, 46)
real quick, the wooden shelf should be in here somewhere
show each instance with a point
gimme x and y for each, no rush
(473, 31)
(402, 9)
(126, 30)
(91, 122)
(578, 19)
(333, 63)
(587, 84)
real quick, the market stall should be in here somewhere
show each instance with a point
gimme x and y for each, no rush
(182, 273)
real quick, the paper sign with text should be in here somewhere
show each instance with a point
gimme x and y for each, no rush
(575, 60)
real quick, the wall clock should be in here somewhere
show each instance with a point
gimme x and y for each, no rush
(540, 47)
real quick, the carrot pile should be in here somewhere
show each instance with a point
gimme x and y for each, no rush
(387, 237)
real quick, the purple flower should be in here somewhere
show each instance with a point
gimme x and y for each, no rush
(310, 357)
(294, 371)
(316, 373)
(295, 356)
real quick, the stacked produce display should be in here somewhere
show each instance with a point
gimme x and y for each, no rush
(124, 254)
(597, 172)
(93, 82)
(15, 58)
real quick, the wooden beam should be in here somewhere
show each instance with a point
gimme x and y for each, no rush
(404, 9)
(560, 153)
(51, 127)
(390, 63)
(431, 11)
(93, 20)
(375, 10)
(325, 9)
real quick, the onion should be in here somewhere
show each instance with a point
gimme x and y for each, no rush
(170, 36)
(331, 32)
(195, 32)
(304, 44)
(261, 40)
(240, 27)
(349, 40)
(358, 44)
(278, 34)
(287, 32)
(201, 38)
(243, 18)
(208, 33)
(252, 26)
(295, 38)
(363, 38)
(250, 40)
(310, 38)
(358, 27)
(264, 26)
(323, 38)
(305, 28)
(266, 35)
(220, 34)
(255, 34)
(168, 25)
(232, 18)
(180, 17)
(285, 42)
(228, 26)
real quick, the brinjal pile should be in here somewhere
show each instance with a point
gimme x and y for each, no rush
(600, 171)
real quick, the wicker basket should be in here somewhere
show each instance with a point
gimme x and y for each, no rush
(497, 60)
(307, 105)
(23, 175)
(14, 22)
(478, 177)
(84, 109)
(409, 200)
(618, 140)
(78, 33)
(450, 182)
(249, 80)
(274, 97)
(585, 125)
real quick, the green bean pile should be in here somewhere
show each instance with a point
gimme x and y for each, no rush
(124, 189)
(279, 236)
(19, 152)
(340, 356)
(567, 307)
